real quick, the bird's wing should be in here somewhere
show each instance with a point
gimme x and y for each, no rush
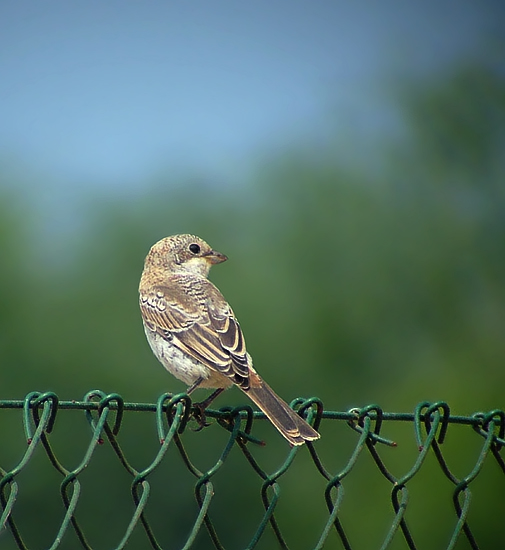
(205, 329)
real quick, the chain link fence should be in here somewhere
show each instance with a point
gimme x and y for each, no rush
(276, 496)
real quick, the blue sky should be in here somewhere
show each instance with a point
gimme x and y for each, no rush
(107, 93)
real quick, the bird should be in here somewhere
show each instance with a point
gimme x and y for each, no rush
(195, 335)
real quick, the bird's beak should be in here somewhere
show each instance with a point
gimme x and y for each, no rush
(215, 257)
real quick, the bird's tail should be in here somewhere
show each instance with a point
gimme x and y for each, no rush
(292, 426)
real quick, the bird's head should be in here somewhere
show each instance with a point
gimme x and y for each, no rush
(184, 253)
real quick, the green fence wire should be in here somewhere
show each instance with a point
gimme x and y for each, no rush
(429, 425)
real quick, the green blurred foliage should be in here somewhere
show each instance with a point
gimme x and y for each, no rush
(353, 285)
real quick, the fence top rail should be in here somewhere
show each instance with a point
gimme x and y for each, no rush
(475, 419)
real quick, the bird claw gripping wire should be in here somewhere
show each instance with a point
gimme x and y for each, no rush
(199, 416)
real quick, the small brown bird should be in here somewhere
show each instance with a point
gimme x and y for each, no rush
(194, 333)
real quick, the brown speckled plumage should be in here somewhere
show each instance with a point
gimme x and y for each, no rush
(194, 333)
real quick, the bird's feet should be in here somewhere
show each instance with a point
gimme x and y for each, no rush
(200, 416)
(199, 409)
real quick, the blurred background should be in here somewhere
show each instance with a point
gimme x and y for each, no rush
(348, 158)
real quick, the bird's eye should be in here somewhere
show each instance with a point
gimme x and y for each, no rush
(194, 248)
